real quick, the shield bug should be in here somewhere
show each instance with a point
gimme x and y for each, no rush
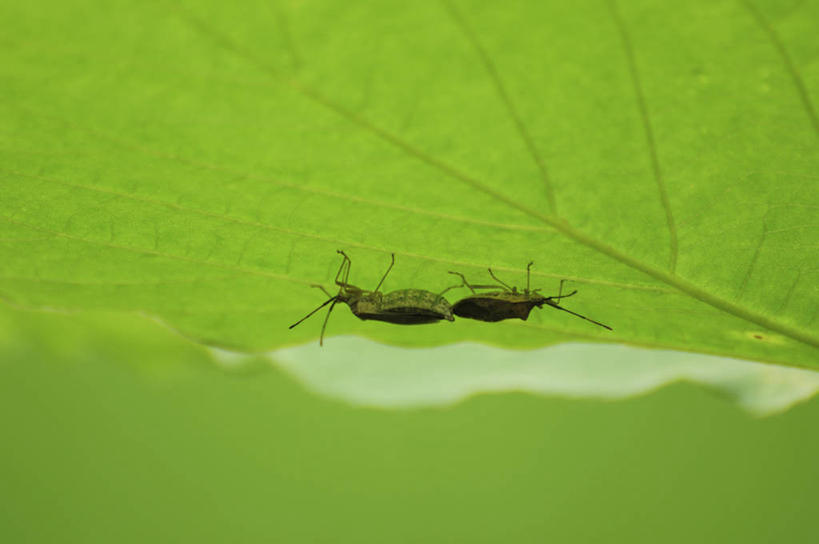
(508, 303)
(403, 307)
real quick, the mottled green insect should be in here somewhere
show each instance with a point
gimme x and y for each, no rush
(403, 307)
(509, 303)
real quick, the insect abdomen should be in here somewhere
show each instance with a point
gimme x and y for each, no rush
(491, 309)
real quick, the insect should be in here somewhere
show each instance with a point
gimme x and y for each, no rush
(403, 307)
(508, 303)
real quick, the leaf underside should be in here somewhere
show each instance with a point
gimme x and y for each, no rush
(201, 163)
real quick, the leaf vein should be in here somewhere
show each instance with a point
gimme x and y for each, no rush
(798, 82)
(808, 337)
(294, 186)
(500, 88)
(787, 298)
(649, 133)
(343, 243)
(754, 259)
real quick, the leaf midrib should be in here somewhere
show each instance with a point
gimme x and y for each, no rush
(561, 225)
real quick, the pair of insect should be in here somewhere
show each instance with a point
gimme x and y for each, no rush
(418, 306)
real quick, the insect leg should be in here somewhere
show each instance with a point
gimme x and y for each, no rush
(392, 262)
(563, 296)
(347, 272)
(325, 303)
(471, 286)
(341, 269)
(317, 286)
(324, 326)
(528, 273)
(497, 279)
(560, 292)
(464, 283)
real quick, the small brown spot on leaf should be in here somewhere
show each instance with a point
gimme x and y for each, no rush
(759, 336)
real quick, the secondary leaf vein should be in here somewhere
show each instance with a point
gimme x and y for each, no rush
(808, 337)
(511, 110)
(649, 134)
(798, 82)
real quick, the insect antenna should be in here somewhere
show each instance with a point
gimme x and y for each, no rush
(325, 303)
(550, 302)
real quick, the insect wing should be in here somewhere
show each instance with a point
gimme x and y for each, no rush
(415, 306)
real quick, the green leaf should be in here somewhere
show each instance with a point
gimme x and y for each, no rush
(201, 163)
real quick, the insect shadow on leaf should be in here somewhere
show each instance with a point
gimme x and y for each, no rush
(508, 303)
(403, 307)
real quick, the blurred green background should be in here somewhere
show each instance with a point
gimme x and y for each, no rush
(199, 162)
(105, 439)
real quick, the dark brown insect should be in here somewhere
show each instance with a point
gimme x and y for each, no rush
(403, 307)
(508, 303)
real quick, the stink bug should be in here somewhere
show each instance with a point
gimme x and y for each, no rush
(508, 303)
(403, 307)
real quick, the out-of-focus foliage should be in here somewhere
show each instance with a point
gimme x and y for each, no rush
(115, 430)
